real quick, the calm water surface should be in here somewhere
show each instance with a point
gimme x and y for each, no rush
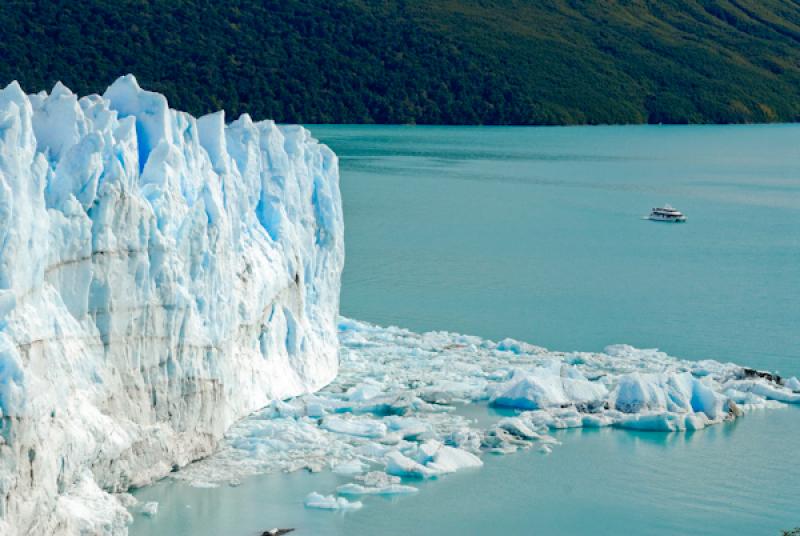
(535, 233)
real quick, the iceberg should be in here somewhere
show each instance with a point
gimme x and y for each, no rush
(150, 509)
(398, 464)
(161, 277)
(549, 386)
(375, 483)
(450, 459)
(792, 384)
(329, 502)
(361, 427)
(667, 393)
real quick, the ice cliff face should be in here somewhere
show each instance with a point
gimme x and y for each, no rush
(161, 276)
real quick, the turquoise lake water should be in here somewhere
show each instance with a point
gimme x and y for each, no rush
(536, 234)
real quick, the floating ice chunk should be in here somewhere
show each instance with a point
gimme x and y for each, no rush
(409, 427)
(696, 422)
(363, 391)
(596, 421)
(361, 427)
(465, 438)
(203, 484)
(377, 479)
(565, 418)
(545, 387)
(519, 427)
(663, 393)
(350, 467)
(389, 489)
(449, 460)
(400, 465)
(540, 388)
(431, 458)
(706, 400)
(150, 509)
(582, 391)
(329, 502)
(768, 390)
(792, 383)
(664, 422)
(657, 422)
(425, 452)
(638, 392)
(517, 347)
(746, 401)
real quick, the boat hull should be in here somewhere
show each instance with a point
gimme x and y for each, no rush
(668, 220)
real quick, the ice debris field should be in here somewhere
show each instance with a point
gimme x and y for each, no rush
(392, 416)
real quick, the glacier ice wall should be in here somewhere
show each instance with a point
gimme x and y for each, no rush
(161, 276)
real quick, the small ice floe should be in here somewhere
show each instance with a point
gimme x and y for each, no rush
(350, 467)
(793, 384)
(203, 484)
(376, 483)
(150, 509)
(429, 460)
(446, 459)
(329, 502)
(399, 464)
(355, 426)
(355, 490)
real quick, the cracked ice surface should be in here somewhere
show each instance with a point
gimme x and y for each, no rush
(394, 409)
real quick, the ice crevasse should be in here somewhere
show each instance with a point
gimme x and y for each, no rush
(161, 276)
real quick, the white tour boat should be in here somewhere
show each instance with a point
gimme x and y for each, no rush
(667, 213)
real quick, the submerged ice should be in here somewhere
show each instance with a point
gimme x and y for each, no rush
(161, 277)
(398, 410)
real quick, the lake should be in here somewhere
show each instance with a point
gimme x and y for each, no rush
(537, 234)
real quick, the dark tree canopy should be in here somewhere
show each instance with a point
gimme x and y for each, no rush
(423, 61)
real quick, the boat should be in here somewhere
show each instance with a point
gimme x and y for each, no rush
(667, 213)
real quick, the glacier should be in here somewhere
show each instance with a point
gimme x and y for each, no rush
(161, 277)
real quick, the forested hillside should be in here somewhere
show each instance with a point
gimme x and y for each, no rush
(423, 61)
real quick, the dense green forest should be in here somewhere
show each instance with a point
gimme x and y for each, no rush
(423, 61)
